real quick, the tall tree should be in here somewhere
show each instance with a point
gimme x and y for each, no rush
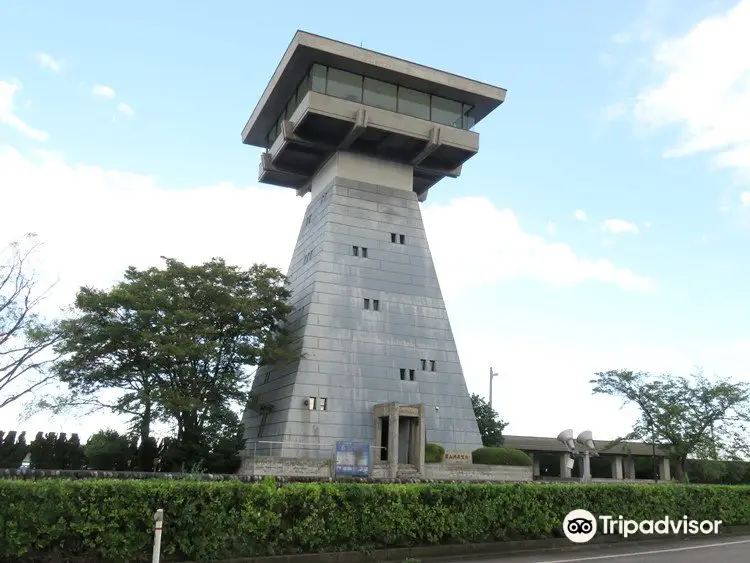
(690, 415)
(25, 340)
(178, 343)
(490, 425)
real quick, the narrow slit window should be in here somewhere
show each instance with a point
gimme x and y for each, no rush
(432, 365)
(309, 218)
(402, 239)
(411, 375)
(364, 252)
(367, 303)
(323, 404)
(393, 237)
(355, 251)
(311, 403)
(262, 425)
(424, 365)
(403, 374)
(375, 305)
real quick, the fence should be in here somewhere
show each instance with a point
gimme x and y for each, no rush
(321, 451)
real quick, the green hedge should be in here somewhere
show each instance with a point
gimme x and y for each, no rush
(501, 456)
(112, 520)
(434, 453)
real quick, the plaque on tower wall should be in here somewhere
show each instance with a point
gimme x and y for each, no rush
(458, 458)
(352, 459)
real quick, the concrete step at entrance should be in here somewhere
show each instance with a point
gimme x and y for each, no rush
(407, 470)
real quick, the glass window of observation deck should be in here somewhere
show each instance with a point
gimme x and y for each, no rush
(318, 78)
(469, 120)
(411, 102)
(342, 84)
(446, 112)
(380, 94)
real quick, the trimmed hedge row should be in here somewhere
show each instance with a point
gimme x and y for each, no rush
(112, 520)
(434, 453)
(501, 456)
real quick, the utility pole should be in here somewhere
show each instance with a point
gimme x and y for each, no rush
(492, 375)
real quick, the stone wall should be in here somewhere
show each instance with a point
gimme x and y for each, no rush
(286, 467)
(294, 467)
(477, 472)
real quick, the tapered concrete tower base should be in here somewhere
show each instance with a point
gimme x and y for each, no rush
(369, 319)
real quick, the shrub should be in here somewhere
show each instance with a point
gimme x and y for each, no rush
(433, 453)
(107, 450)
(112, 519)
(500, 456)
(13, 449)
(718, 472)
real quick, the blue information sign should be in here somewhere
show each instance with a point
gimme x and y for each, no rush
(353, 459)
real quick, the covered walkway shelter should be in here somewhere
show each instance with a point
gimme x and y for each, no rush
(624, 460)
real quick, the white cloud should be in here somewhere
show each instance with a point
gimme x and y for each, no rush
(647, 224)
(47, 61)
(76, 233)
(104, 92)
(551, 228)
(745, 199)
(125, 109)
(83, 247)
(619, 226)
(580, 214)
(508, 252)
(8, 116)
(705, 89)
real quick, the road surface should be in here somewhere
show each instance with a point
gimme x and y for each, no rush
(734, 549)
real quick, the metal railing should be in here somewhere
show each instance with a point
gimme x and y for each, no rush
(319, 451)
(305, 450)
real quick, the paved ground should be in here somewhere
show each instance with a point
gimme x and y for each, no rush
(734, 549)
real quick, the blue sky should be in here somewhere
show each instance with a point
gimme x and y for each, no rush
(598, 96)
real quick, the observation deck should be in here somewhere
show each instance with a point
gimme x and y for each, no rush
(327, 96)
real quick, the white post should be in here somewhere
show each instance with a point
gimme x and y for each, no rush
(159, 519)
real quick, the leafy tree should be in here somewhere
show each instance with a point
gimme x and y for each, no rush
(76, 457)
(108, 450)
(13, 449)
(61, 452)
(145, 454)
(42, 450)
(177, 343)
(25, 341)
(690, 415)
(490, 425)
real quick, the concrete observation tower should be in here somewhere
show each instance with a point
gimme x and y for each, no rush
(367, 135)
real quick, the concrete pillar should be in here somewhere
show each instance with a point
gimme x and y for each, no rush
(564, 470)
(664, 472)
(630, 467)
(535, 465)
(617, 472)
(393, 441)
(421, 439)
(378, 442)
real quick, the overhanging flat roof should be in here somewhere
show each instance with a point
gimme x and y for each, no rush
(307, 48)
(543, 444)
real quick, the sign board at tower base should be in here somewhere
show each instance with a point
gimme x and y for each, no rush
(352, 459)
